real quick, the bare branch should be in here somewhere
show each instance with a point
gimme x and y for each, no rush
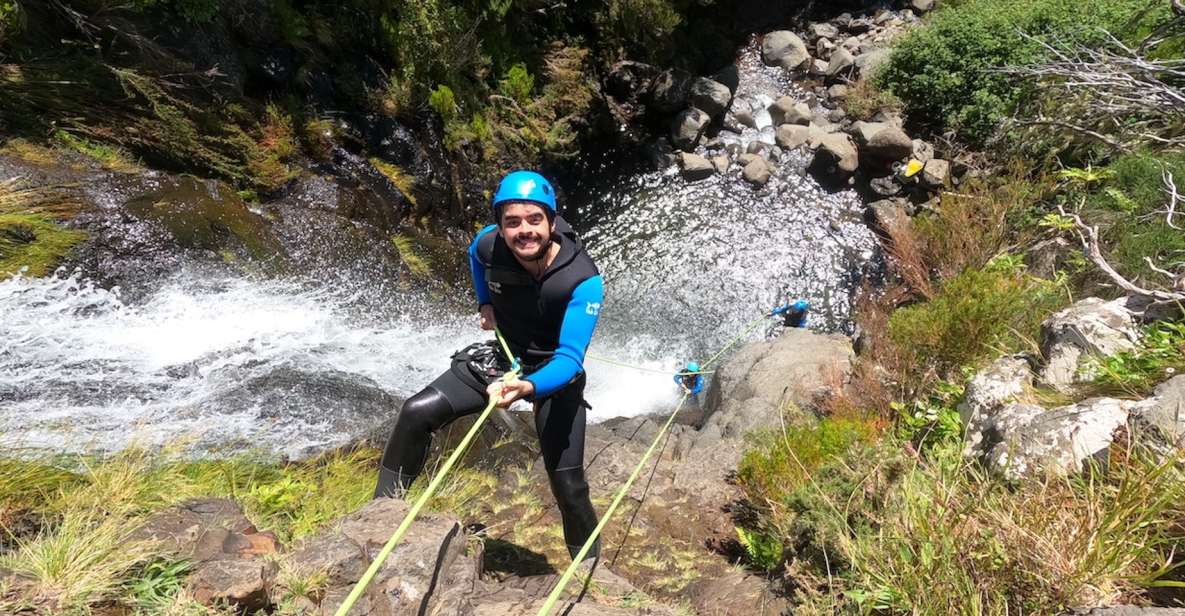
(1089, 237)
(1112, 93)
(1078, 129)
(1171, 188)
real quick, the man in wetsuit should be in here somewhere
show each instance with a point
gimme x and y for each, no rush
(534, 280)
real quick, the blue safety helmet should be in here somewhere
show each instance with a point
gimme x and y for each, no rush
(691, 367)
(525, 185)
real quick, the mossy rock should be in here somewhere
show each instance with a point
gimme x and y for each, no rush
(33, 245)
(208, 215)
(427, 256)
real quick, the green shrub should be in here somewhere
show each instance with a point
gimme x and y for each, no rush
(764, 549)
(975, 315)
(778, 463)
(933, 420)
(10, 17)
(517, 84)
(444, 103)
(945, 75)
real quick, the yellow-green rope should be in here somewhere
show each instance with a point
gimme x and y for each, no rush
(576, 560)
(433, 485)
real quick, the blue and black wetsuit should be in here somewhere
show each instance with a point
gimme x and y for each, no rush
(548, 323)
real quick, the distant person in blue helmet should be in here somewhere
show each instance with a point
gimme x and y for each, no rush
(533, 279)
(690, 379)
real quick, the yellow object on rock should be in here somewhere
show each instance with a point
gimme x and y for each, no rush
(913, 167)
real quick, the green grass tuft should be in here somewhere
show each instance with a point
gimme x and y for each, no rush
(111, 157)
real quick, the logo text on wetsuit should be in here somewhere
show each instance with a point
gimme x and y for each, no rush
(496, 287)
(592, 308)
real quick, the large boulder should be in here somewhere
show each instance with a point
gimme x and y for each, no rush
(783, 48)
(687, 128)
(841, 60)
(936, 173)
(695, 167)
(1027, 440)
(823, 30)
(669, 90)
(836, 155)
(709, 95)
(889, 145)
(863, 131)
(869, 62)
(790, 136)
(921, 6)
(786, 110)
(1159, 421)
(757, 172)
(753, 387)
(988, 392)
(433, 571)
(1090, 327)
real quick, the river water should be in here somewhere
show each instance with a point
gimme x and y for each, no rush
(227, 363)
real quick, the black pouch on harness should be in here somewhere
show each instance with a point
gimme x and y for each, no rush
(480, 364)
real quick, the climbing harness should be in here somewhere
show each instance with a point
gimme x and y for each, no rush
(515, 370)
(433, 485)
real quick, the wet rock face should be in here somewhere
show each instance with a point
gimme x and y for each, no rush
(1089, 327)
(356, 408)
(205, 215)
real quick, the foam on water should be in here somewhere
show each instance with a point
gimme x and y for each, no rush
(80, 369)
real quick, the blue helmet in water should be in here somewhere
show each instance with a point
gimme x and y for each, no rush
(691, 367)
(525, 185)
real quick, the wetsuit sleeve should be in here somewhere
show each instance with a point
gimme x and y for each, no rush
(576, 332)
(478, 269)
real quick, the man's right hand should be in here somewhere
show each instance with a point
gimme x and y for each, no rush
(487, 317)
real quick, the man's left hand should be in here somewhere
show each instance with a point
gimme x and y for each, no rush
(515, 389)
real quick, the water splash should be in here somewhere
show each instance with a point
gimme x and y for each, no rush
(228, 362)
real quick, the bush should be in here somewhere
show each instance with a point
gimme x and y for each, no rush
(975, 315)
(944, 73)
(882, 529)
(778, 463)
(444, 103)
(517, 84)
(10, 15)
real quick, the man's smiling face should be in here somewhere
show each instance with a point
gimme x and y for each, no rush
(526, 229)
